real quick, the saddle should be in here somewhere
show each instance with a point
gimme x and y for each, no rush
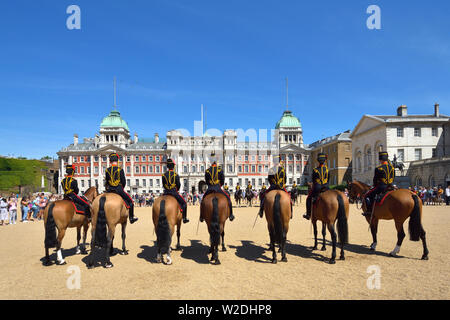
(78, 208)
(379, 198)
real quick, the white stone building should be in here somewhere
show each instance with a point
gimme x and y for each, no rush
(409, 137)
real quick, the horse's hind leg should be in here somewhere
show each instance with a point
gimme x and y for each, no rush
(315, 234)
(59, 258)
(400, 237)
(283, 247)
(47, 261)
(424, 242)
(373, 230)
(108, 248)
(324, 234)
(272, 245)
(83, 245)
(124, 249)
(78, 251)
(223, 241)
(178, 247)
(333, 239)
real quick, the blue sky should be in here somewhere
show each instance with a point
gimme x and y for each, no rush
(170, 57)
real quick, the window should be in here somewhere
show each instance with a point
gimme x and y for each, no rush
(185, 169)
(150, 158)
(144, 158)
(96, 170)
(128, 181)
(417, 132)
(193, 169)
(246, 168)
(253, 168)
(82, 169)
(230, 168)
(246, 158)
(151, 183)
(137, 169)
(434, 132)
(253, 158)
(128, 169)
(150, 169)
(157, 183)
(285, 137)
(239, 169)
(137, 182)
(144, 182)
(230, 181)
(400, 132)
(157, 159)
(433, 153)
(96, 158)
(418, 154)
(401, 155)
(157, 169)
(128, 158)
(82, 183)
(144, 169)
(298, 168)
(259, 169)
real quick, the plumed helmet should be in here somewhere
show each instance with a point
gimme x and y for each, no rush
(170, 164)
(113, 157)
(321, 158)
(69, 169)
(383, 156)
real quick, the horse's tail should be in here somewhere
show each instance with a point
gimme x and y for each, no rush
(342, 225)
(100, 228)
(163, 236)
(415, 225)
(277, 219)
(50, 228)
(215, 224)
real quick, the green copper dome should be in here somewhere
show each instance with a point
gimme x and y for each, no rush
(114, 120)
(288, 120)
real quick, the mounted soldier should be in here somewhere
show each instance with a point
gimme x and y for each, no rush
(382, 180)
(320, 183)
(70, 187)
(215, 178)
(171, 184)
(277, 180)
(115, 182)
(225, 188)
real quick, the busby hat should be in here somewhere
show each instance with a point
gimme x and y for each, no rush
(321, 157)
(213, 156)
(69, 169)
(170, 163)
(383, 156)
(114, 157)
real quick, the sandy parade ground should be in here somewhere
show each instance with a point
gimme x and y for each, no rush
(245, 271)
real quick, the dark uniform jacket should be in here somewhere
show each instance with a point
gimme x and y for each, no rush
(214, 176)
(384, 174)
(320, 177)
(115, 178)
(278, 180)
(171, 181)
(69, 185)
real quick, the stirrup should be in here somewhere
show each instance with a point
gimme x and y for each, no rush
(307, 216)
(133, 220)
(231, 217)
(185, 220)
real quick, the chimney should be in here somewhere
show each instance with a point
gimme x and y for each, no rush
(156, 138)
(436, 110)
(135, 138)
(402, 111)
(75, 139)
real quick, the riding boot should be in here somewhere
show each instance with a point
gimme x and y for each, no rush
(131, 215)
(231, 212)
(261, 208)
(292, 211)
(185, 219)
(368, 208)
(307, 215)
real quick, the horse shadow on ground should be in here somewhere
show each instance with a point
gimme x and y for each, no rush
(249, 251)
(66, 253)
(98, 256)
(148, 253)
(197, 252)
(363, 249)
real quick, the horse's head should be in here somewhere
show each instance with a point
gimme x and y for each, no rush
(91, 193)
(355, 191)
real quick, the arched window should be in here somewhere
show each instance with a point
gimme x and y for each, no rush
(431, 182)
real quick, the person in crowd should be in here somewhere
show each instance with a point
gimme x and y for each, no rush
(24, 208)
(3, 211)
(12, 205)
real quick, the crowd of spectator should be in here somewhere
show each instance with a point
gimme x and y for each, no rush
(433, 195)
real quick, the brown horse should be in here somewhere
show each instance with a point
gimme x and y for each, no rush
(277, 207)
(397, 205)
(108, 210)
(166, 215)
(215, 211)
(330, 206)
(61, 215)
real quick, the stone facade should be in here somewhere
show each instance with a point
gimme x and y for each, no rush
(408, 137)
(430, 172)
(338, 149)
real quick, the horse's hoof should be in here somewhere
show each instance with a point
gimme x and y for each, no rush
(424, 257)
(274, 261)
(168, 262)
(393, 255)
(78, 252)
(90, 266)
(323, 248)
(108, 265)
(341, 258)
(124, 252)
(332, 261)
(47, 263)
(61, 263)
(178, 248)
(284, 259)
